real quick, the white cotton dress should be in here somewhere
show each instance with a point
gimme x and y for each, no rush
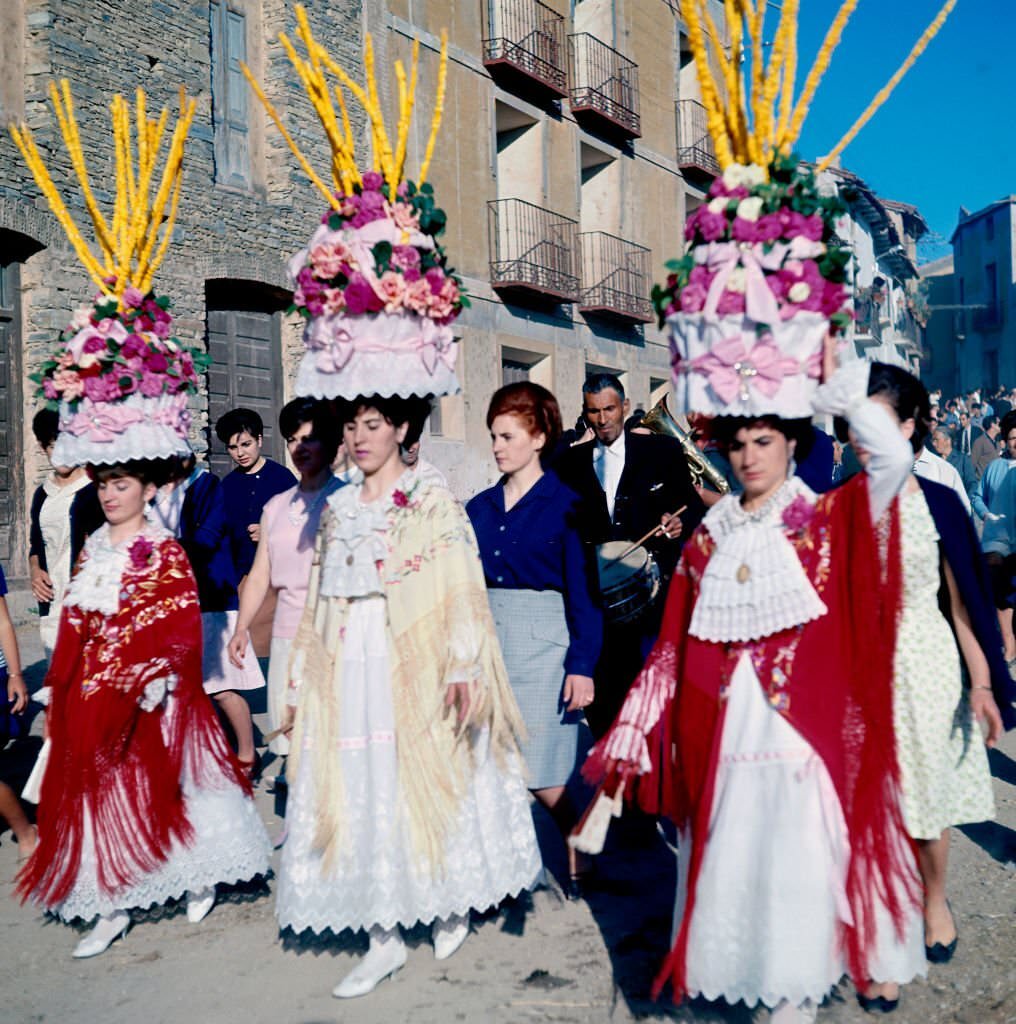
(378, 878)
(943, 760)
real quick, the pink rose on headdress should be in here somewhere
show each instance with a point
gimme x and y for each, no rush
(730, 303)
(161, 329)
(371, 181)
(418, 296)
(102, 389)
(132, 297)
(152, 385)
(93, 344)
(324, 263)
(768, 227)
(156, 362)
(711, 226)
(360, 297)
(69, 384)
(405, 257)
(693, 297)
(133, 347)
(796, 225)
(391, 289)
(745, 230)
(405, 217)
(334, 302)
(49, 389)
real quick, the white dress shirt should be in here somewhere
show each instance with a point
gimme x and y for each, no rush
(608, 462)
(931, 467)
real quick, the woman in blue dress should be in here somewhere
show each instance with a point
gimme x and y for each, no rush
(540, 588)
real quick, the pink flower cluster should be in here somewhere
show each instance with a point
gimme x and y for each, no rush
(118, 349)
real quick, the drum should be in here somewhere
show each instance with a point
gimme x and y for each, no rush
(628, 585)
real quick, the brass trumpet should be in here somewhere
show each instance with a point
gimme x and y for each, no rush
(660, 421)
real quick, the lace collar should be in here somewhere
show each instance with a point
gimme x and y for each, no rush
(754, 584)
(97, 585)
(356, 547)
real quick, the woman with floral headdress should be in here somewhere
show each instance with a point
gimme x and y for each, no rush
(407, 799)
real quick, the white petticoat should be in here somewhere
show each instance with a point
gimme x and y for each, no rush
(217, 671)
(378, 878)
(229, 845)
(771, 887)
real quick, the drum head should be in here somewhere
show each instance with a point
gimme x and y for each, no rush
(614, 570)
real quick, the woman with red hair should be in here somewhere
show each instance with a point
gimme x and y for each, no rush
(540, 590)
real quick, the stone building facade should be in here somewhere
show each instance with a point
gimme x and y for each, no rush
(245, 206)
(572, 148)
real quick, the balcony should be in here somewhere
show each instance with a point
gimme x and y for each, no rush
(696, 154)
(525, 46)
(533, 251)
(604, 87)
(615, 278)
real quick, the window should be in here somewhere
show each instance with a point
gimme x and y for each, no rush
(229, 95)
(512, 371)
(989, 227)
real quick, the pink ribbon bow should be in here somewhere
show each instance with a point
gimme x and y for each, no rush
(722, 258)
(732, 369)
(102, 423)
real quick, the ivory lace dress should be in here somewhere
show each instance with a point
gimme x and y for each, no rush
(378, 877)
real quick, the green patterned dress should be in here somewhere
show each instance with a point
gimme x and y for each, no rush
(943, 761)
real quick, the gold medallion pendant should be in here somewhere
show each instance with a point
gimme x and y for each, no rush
(743, 574)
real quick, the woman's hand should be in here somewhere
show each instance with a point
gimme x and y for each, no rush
(578, 692)
(238, 646)
(288, 718)
(460, 696)
(42, 585)
(17, 693)
(986, 710)
(254, 532)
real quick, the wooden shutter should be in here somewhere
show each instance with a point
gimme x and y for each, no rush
(229, 96)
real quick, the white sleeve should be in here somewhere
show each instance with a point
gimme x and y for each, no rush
(891, 458)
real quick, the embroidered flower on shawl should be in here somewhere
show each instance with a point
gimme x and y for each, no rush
(141, 553)
(798, 514)
(400, 499)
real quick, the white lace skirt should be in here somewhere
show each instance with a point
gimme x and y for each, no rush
(379, 879)
(771, 889)
(278, 680)
(229, 845)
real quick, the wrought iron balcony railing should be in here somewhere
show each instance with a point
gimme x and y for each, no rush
(532, 250)
(615, 277)
(604, 85)
(695, 149)
(526, 38)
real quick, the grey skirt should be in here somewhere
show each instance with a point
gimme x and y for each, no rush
(534, 639)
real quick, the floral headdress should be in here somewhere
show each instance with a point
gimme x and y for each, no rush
(119, 380)
(764, 277)
(373, 282)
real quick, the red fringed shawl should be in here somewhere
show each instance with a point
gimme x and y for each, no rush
(831, 679)
(111, 762)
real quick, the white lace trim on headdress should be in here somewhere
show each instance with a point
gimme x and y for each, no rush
(754, 584)
(95, 587)
(356, 548)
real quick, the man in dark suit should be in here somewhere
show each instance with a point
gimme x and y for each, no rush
(628, 483)
(966, 434)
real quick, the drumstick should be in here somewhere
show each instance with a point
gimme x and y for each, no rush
(652, 533)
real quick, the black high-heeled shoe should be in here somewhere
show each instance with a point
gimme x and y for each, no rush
(877, 1004)
(942, 952)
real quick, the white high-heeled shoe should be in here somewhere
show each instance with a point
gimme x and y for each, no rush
(199, 904)
(106, 931)
(383, 959)
(449, 935)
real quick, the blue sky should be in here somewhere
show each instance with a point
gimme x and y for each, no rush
(947, 135)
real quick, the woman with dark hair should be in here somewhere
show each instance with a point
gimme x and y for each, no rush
(142, 800)
(944, 769)
(762, 726)
(282, 563)
(407, 801)
(540, 590)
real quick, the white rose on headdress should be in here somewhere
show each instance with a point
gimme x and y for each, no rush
(743, 176)
(81, 319)
(718, 205)
(799, 292)
(737, 282)
(750, 209)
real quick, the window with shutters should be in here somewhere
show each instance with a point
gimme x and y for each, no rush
(230, 95)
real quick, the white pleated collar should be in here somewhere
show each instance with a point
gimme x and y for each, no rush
(754, 585)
